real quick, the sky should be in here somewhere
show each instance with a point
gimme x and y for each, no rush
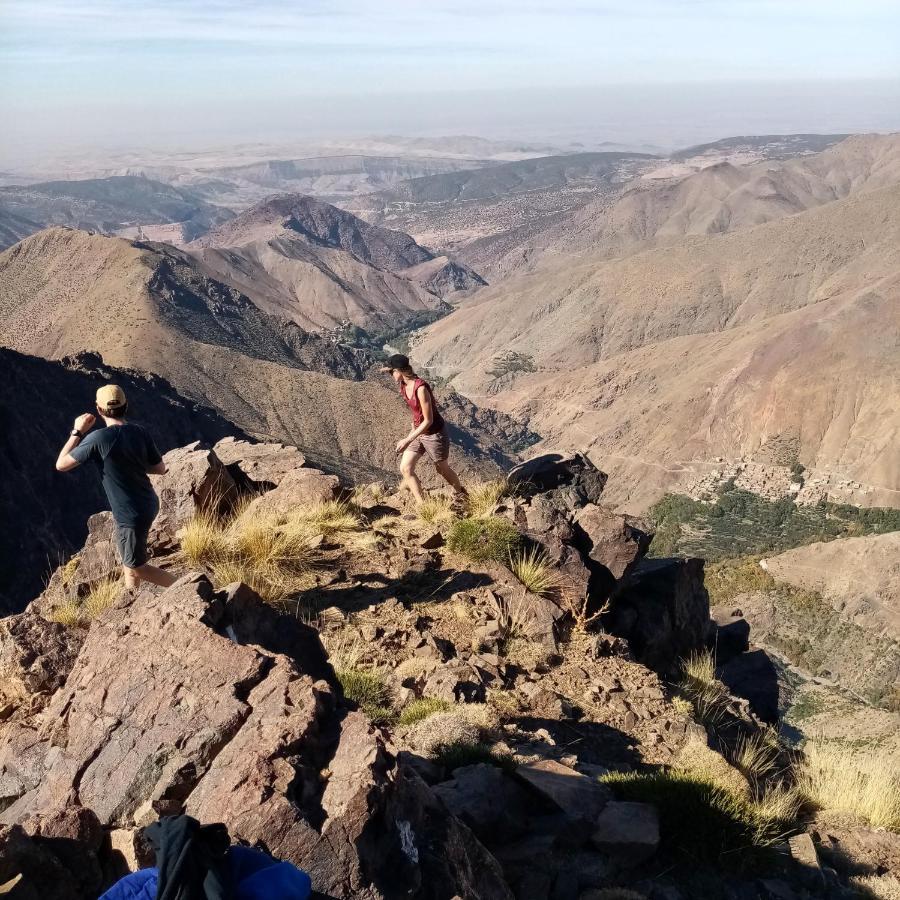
(204, 71)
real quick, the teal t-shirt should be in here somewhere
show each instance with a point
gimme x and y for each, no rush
(123, 454)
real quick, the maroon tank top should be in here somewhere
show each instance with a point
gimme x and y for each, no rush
(416, 407)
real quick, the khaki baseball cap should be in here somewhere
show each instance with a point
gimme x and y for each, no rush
(111, 396)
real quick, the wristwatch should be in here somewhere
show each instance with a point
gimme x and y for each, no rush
(76, 433)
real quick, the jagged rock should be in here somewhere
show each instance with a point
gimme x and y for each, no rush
(662, 609)
(258, 467)
(43, 875)
(614, 541)
(438, 855)
(803, 853)
(536, 616)
(731, 634)
(35, 659)
(629, 832)
(456, 683)
(578, 796)
(299, 487)
(178, 702)
(432, 541)
(572, 480)
(196, 480)
(75, 838)
(753, 676)
(490, 803)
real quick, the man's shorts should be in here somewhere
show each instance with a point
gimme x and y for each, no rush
(437, 446)
(132, 544)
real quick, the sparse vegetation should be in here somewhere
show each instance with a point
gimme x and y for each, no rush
(729, 579)
(421, 709)
(741, 523)
(707, 695)
(435, 509)
(703, 821)
(480, 540)
(866, 787)
(511, 362)
(534, 570)
(368, 689)
(456, 755)
(103, 594)
(484, 497)
(271, 552)
(756, 757)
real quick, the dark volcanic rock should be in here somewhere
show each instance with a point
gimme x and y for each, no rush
(662, 610)
(572, 481)
(51, 508)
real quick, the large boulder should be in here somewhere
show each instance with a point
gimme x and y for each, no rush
(613, 541)
(298, 488)
(36, 656)
(196, 481)
(258, 467)
(42, 875)
(662, 610)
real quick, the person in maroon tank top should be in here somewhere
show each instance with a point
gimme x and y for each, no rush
(429, 432)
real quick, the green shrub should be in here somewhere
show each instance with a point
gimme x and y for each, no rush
(457, 755)
(369, 691)
(480, 540)
(418, 710)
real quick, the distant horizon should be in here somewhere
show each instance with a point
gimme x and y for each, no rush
(95, 75)
(657, 117)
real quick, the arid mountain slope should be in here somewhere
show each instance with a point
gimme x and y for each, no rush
(152, 308)
(860, 575)
(321, 266)
(662, 362)
(718, 198)
(575, 312)
(102, 204)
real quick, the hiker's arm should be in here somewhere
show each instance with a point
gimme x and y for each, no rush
(65, 462)
(427, 418)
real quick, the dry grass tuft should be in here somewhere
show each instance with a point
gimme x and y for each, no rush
(483, 498)
(877, 887)
(330, 518)
(756, 757)
(368, 689)
(699, 684)
(463, 724)
(103, 594)
(866, 787)
(534, 570)
(203, 539)
(435, 509)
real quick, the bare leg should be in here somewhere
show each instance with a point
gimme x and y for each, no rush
(132, 579)
(408, 471)
(444, 470)
(146, 572)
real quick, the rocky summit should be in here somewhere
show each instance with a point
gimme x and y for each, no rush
(412, 714)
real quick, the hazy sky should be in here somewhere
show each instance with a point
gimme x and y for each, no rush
(207, 70)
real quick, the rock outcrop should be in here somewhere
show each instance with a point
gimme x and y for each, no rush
(167, 709)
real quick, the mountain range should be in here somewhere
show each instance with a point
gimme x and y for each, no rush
(745, 305)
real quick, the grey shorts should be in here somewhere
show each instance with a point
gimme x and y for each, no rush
(436, 446)
(132, 544)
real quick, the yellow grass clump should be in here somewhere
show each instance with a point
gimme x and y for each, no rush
(534, 570)
(706, 693)
(435, 509)
(103, 594)
(863, 786)
(483, 498)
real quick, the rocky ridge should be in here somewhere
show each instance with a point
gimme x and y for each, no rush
(213, 702)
